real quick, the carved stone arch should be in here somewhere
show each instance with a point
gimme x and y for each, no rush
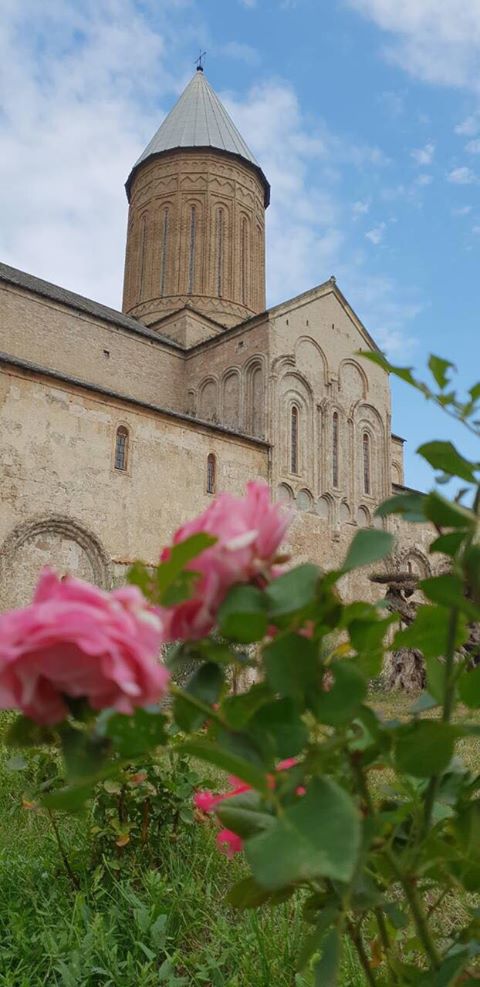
(284, 362)
(311, 360)
(352, 380)
(164, 240)
(396, 473)
(231, 404)
(295, 391)
(304, 500)
(325, 508)
(221, 246)
(285, 493)
(368, 421)
(336, 445)
(363, 518)
(254, 395)
(50, 539)
(414, 560)
(208, 399)
(193, 238)
(344, 512)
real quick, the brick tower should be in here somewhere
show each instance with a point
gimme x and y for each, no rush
(196, 226)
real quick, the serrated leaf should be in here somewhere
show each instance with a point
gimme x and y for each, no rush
(424, 748)
(293, 591)
(317, 837)
(367, 546)
(134, 735)
(445, 457)
(344, 696)
(430, 632)
(439, 368)
(408, 505)
(469, 688)
(229, 762)
(243, 614)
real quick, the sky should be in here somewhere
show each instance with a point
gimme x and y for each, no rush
(364, 115)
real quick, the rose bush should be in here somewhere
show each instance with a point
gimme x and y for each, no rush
(75, 641)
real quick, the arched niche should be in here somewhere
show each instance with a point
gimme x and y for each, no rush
(312, 363)
(294, 392)
(344, 513)
(415, 562)
(231, 399)
(324, 508)
(53, 540)
(397, 474)
(304, 500)
(255, 398)
(208, 400)
(284, 493)
(353, 382)
(363, 517)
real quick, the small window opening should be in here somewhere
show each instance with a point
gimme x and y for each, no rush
(294, 440)
(366, 463)
(121, 448)
(211, 473)
(335, 450)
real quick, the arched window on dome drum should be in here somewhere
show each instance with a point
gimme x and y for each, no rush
(141, 257)
(244, 260)
(163, 270)
(121, 448)
(366, 462)
(191, 249)
(294, 439)
(219, 249)
(335, 449)
(211, 473)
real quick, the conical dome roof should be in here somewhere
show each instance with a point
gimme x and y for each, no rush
(199, 120)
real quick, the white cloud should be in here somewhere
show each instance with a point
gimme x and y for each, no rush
(376, 234)
(462, 211)
(473, 147)
(248, 3)
(240, 51)
(469, 127)
(423, 180)
(476, 230)
(423, 155)
(437, 40)
(461, 176)
(360, 208)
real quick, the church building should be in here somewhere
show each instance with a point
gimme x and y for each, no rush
(117, 426)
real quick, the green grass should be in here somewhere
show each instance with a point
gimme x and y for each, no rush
(130, 925)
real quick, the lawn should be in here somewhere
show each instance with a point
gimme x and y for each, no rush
(127, 924)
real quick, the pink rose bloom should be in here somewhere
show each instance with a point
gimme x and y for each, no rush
(76, 640)
(249, 531)
(227, 840)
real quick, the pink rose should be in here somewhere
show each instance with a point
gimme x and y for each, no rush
(249, 531)
(76, 640)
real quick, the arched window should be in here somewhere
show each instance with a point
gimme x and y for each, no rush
(366, 462)
(121, 448)
(191, 249)
(211, 473)
(219, 247)
(335, 450)
(142, 253)
(244, 260)
(163, 270)
(294, 439)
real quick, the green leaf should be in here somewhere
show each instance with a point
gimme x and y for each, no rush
(69, 799)
(243, 614)
(436, 678)
(444, 456)
(447, 589)
(242, 814)
(248, 894)
(368, 545)
(327, 968)
(448, 514)
(439, 370)
(367, 638)
(317, 837)
(424, 748)
(282, 727)
(409, 505)
(292, 667)
(430, 632)
(344, 697)
(232, 763)
(293, 591)
(448, 544)
(25, 733)
(469, 688)
(238, 709)
(137, 734)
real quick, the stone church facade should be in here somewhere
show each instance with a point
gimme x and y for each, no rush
(118, 426)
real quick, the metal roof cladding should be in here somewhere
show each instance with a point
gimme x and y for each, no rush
(199, 119)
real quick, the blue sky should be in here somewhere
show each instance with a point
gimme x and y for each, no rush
(365, 115)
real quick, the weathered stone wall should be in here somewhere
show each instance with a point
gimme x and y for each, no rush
(63, 502)
(196, 233)
(59, 338)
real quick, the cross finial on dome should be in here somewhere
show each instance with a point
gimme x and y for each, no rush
(199, 61)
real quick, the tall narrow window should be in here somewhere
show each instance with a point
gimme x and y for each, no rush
(163, 269)
(211, 473)
(219, 247)
(335, 450)
(121, 448)
(366, 463)
(294, 439)
(142, 252)
(244, 260)
(191, 250)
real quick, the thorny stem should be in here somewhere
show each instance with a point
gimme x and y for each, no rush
(421, 923)
(66, 863)
(355, 936)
